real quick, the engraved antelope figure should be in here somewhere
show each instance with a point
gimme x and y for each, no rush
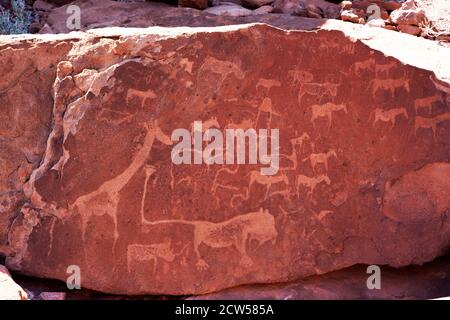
(388, 115)
(310, 182)
(320, 158)
(363, 65)
(142, 95)
(426, 103)
(317, 89)
(425, 123)
(256, 176)
(326, 110)
(267, 83)
(389, 84)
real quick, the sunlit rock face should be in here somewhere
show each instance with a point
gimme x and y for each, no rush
(363, 154)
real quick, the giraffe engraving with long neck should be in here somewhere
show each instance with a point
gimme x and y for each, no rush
(105, 200)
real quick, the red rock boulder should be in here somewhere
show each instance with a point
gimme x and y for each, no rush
(363, 131)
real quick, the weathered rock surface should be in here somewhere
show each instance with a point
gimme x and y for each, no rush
(97, 14)
(229, 9)
(324, 9)
(431, 281)
(408, 14)
(9, 290)
(361, 140)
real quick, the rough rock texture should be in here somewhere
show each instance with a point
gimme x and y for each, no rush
(198, 4)
(324, 9)
(362, 139)
(9, 290)
(431, 281)
(409, 14)
(229, 9)
(97, 14)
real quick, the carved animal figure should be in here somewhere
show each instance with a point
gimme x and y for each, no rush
(256, 176)
(425, 123)
(389, 115)
(310, 182)
(142, 95)
(320, 158)
(293, 156)
(426, 103)
(151, 252)
(389, 84)
(236, 232)
(317, 89)
(326, 110)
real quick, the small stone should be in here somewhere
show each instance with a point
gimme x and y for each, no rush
(391, 5)
(64, 69)
(352, 15)
(412, 30)
(408, 14)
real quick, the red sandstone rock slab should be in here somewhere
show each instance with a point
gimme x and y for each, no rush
(357, 135)
(431, 281)
(107, 13)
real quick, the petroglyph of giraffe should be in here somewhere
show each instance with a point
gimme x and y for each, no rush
(388, 115)
(326, 110)
(320, 158)
(426, 123)
(426, 103)
(268, 181)
(151, 252)
(310, 182)
(105, 199)
(149, 171)
(236, 232)
(389, 84)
